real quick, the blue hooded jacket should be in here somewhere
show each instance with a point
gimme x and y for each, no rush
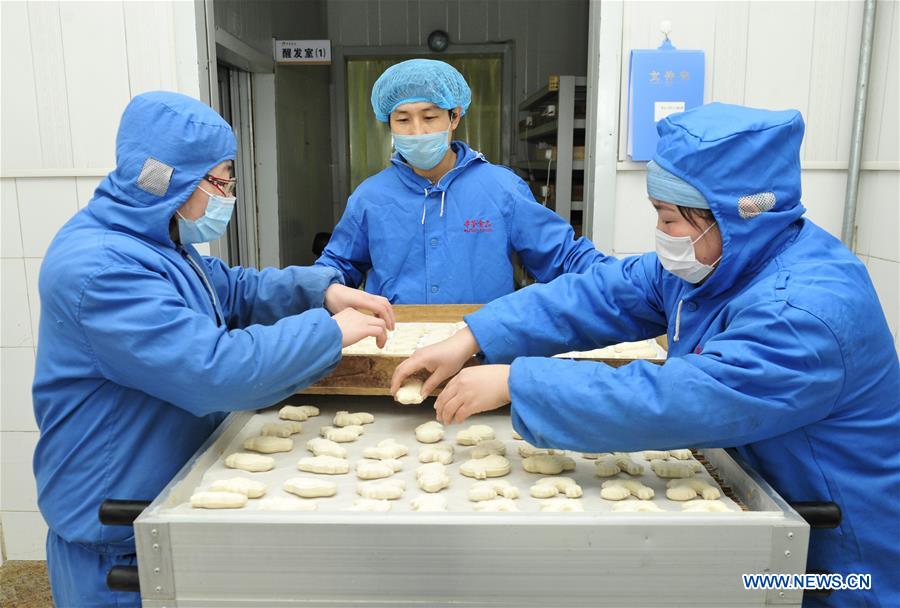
(137, 358)
(451, 242)
(783, 352)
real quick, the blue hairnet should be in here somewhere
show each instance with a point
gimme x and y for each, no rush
(420, 80)
(669, 188)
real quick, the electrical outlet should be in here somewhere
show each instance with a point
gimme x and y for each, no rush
(548, 153)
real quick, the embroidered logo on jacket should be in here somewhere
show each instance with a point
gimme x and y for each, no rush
(476, 225)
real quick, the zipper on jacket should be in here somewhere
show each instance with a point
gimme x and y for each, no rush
(209, 289)
(678, 321)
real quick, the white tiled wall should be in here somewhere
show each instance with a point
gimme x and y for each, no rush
(59, 120)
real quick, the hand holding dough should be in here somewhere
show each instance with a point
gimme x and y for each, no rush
(342, 419)
(298, 412)
(218, 500)
(307, 487)
(688, 489)
(549, 487)
(548, 464)
(327, 465)
(438, 452)
(386, 489)
(377, 469)
(489, 466)
(491, 489)
(430, 432)
(269, 445)
(320, 446)
(474, 434)
(432, 477)
(410, 393)
(488, 447)
(429, 502)
(239, 485)
(386, 449)
(620, 489)
(255, 463)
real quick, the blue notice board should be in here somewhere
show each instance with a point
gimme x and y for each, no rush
(661, 81)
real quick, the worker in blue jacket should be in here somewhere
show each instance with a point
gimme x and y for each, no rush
(441, 224)
(778, 345)
(144, 343)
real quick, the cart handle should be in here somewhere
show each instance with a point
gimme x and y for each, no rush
(123, 578)
(819, 514)
(121, 512)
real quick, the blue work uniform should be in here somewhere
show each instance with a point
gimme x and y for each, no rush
(451, 242)
(783, 352)
(144, 343)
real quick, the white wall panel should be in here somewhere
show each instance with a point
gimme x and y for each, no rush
(19, 490)
(878, 215)
(17, 371)
(11, 243)
(45, 204)
(24, 535)
(16, 322)
(20, 146)
(150, 44)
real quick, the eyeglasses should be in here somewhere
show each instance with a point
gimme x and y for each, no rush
(225, 186)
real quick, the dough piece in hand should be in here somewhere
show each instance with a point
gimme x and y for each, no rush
(636, 506)
(269, 445)
(341, 435)
(326, 465)
(489, 466)
(307, 487)
(562, 505)
(620, 489)
(548, 487)
(487, 448)
(411, 392)
(370, 504)
(681, 454)
(705, 506)
(496, 505)
(526, 450)
(515, 435)
(320, 446)
(386, 489)
(655, 455)
(387, 449)
(254, 463)
(342, 419)
(548, 464)
(688, 489)
(432, 477)
(491, 489)
(281, 429)
(474, 435)
(430, 432)
(281, 503)
(675, 469)
(377, 469)
(439, 452)
(429, 502)
(239, 485)
(218, 500)
(299, 413)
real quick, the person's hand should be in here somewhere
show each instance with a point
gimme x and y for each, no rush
(441, 360)
(340, 297)
(475, 389)
(355, 326)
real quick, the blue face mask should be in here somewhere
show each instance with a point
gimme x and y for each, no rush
(211, 225)
(423, 151)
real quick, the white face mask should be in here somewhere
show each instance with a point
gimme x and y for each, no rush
(676, 254)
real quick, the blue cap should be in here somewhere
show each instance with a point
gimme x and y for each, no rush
(669, 188)
(420, 80)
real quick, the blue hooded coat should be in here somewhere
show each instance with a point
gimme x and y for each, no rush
(144, 343)
(783, 352)
(451, 242)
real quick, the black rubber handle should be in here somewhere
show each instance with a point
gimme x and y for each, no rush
(121, 512)
(123, 578)
(819, 514)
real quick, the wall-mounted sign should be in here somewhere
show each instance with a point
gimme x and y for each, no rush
(314, 52)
